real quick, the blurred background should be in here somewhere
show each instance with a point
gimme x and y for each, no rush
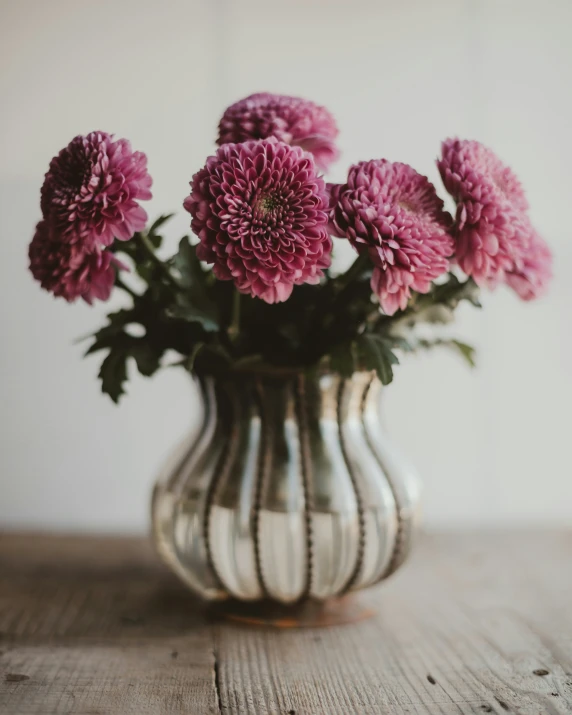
(493, 444)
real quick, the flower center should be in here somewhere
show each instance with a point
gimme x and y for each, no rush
(266, 204)
(407, 205)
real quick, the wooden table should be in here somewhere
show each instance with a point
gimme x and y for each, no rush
(476, 623)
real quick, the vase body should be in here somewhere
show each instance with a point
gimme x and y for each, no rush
(289, 491)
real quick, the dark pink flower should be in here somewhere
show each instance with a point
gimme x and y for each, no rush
(492, 228)
(393, 213)
(260, 212)
(531, 278)
(290, 119)
(69, 271)
(92, 188)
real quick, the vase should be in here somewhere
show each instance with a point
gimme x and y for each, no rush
(290, 490)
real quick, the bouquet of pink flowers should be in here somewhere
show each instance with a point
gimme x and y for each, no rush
(253, 289)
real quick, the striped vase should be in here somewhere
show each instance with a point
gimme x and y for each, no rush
(291, 490)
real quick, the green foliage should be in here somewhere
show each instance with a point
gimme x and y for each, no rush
(376, 354)
(194, 303)
(113, 373)
(454, 291)
(366, 352)
(184, 309)
(467, 352)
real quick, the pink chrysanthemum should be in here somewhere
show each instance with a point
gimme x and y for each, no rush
(292, 120)
(395, 214)
(92, 188)
(260, 211)
(531, 278)
(492, 228)
(67, 270)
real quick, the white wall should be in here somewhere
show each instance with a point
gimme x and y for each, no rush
(493, 445)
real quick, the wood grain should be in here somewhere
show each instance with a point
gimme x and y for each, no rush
(476, 623)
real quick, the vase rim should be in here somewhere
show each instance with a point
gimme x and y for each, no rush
(269, 371)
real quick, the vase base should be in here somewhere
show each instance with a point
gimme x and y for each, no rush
(308, 614)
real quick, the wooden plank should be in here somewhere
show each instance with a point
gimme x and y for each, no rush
(474, 624)
(141, 677)
(98, 626)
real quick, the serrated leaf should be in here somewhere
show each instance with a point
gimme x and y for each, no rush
(156, 239)
(159, 222)
(195, 304)
(145, 270)
(185, 310)
(113, 374)
(147, 358)
(188, 265)
(107, 336)
(376, 354)
(342, 359)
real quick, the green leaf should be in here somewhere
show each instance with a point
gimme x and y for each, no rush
(106, 337)
(195, 303)
(343, 359)
(147, 358)
(113, 374)
(152, 235)
(210, 359)
(397, 341)
(376, 354)
(454, 291)
(466, 351)
(438, 313)
(185, 309)
(145, 270)
(159, 222)
(189, 363)
(188, 265)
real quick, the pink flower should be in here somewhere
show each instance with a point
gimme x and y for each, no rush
(290, 119)
(260, 211)
(393, 213)
(69, 271)
(91, 190)
(530, 280)
(492, 227)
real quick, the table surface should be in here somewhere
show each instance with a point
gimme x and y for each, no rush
(475, 623)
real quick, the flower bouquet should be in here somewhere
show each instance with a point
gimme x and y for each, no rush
(290, 489)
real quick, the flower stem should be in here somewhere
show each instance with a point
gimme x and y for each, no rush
(234, 327)
(150, 251)
(357, 267)
(325, 312)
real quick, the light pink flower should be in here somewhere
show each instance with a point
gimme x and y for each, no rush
(292, 120)
(493, 230)
(530, 280)
(92, 188)
(393, 213)
(260, 212)
(69, 271)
